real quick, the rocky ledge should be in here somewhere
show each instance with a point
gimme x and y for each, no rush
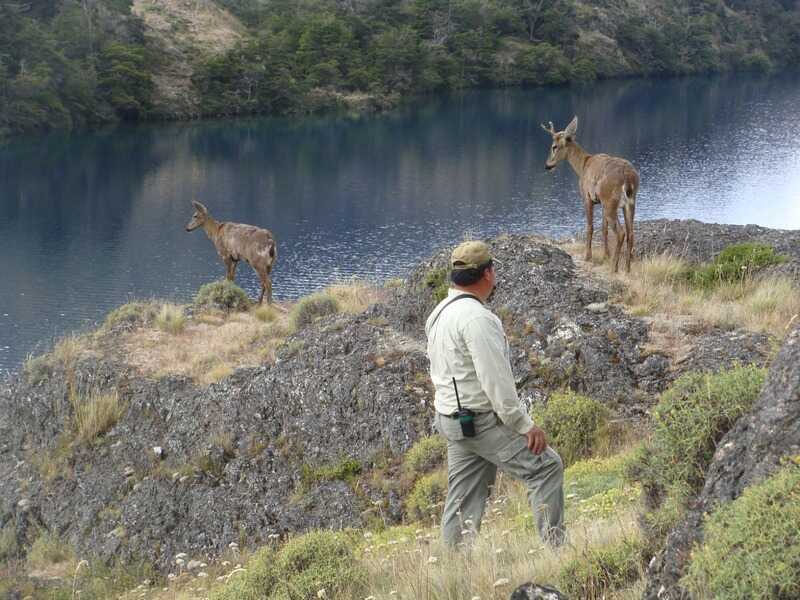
(192, 469)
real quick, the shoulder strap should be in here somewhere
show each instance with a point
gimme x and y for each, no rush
(459, 297)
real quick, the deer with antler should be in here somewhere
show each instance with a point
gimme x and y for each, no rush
(607, 180)
(236, 241)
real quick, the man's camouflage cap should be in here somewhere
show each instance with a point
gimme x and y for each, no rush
(470, 255)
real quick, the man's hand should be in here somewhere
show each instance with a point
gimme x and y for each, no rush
(536, 440)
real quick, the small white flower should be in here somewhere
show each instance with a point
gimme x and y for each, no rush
(202, 574)
(475, 598)
(498, 551)
(500, 582)
(171, 576)
(322, 593)
(432, 560)
(367, 535)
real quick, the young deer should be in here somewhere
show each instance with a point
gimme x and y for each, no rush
(235, 241)
(606, 180)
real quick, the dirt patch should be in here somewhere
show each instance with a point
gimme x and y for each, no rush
(183, 33)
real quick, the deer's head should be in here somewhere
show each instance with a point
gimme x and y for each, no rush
(198, 218)
(561, 140)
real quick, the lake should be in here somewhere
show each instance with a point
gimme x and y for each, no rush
(90, 221)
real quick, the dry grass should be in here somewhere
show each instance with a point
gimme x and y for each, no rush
(655, 286)
(170, 319)
(95, 414)
(354, 296)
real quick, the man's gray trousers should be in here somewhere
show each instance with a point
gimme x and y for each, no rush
(472, 464)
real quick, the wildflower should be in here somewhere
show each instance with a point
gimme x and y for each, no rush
(500, 582)
(322, 593)
(432, 560)
(498, 551)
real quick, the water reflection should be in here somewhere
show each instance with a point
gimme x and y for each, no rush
(90, 221)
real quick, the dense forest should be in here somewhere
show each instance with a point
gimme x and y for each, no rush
(77, 63)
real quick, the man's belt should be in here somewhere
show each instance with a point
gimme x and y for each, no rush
(455, 414)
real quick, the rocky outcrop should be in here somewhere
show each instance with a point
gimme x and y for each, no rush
(532, 591)
(751, 451)
(192, 469)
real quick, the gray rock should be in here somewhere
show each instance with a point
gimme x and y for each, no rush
(749, 453)
(532, 591)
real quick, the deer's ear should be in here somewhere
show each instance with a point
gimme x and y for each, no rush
(571, 129)
(199, 207)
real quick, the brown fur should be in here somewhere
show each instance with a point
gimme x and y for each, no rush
(236, 241)
(607, 180)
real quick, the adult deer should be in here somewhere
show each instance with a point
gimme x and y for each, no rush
(235, 241)
(607, 180)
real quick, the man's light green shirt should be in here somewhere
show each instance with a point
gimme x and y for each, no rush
(467, 342)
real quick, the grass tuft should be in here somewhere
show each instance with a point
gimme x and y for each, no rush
(171, 319)
(313, 307)
(224, 295)
(95, 414)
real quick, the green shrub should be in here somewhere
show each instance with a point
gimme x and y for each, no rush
(8, 541)
(602, 570)
(437, 281)
(38, 368)
(751, 546)
(222, 294)
(425, 454)
(596, 489)
(345, 470)
(306, 564)
(572, 423)
(131, 315)
(689, 420)
(312, 307)
(429, 491)
(48, 550)
(733, 264)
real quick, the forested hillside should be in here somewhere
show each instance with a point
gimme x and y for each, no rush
(75, 63)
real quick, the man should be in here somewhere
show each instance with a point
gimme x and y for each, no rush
(470, 367)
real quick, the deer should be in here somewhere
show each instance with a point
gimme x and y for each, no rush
(607, 180)
(236, 241)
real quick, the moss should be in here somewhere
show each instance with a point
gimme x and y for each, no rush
(599, 571)
(735, 263)
(306, 564)
(572, 422)
(751, 546)
(427, 453)
(688, 422)
(437, 281)
(424, 499)
(222, 294)
(311, 308)
(345, 470)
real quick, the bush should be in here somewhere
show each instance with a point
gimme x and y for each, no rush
(222, 294)
(48, 550)
(425, 454)
(312, 307)
(688, 422)
(733, 264)
(131, 315)
(427, 494)
(345, 470)
(8, 541)
(306, 564)
(752, 545)
(603, 570)
(572, 423)
(437, 281)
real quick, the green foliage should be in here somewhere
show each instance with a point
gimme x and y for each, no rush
(345, 470)
(437, 280)
(595, 487)
(311, 308)
(688, 422)
(48, 549)
(131, 315)
(572, 423)
(735, 263)
(427, 453)
(306, 564)
(8, 541)
(751, 548)
(222, 294)
(426, 496)
(599, 571)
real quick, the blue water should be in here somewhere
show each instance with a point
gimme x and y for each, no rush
(91, 221)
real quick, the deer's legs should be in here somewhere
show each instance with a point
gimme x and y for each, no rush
(589, 228)
(619, 238)
(266, 287)
(606, 253)
(629, 211)
(230, 266)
